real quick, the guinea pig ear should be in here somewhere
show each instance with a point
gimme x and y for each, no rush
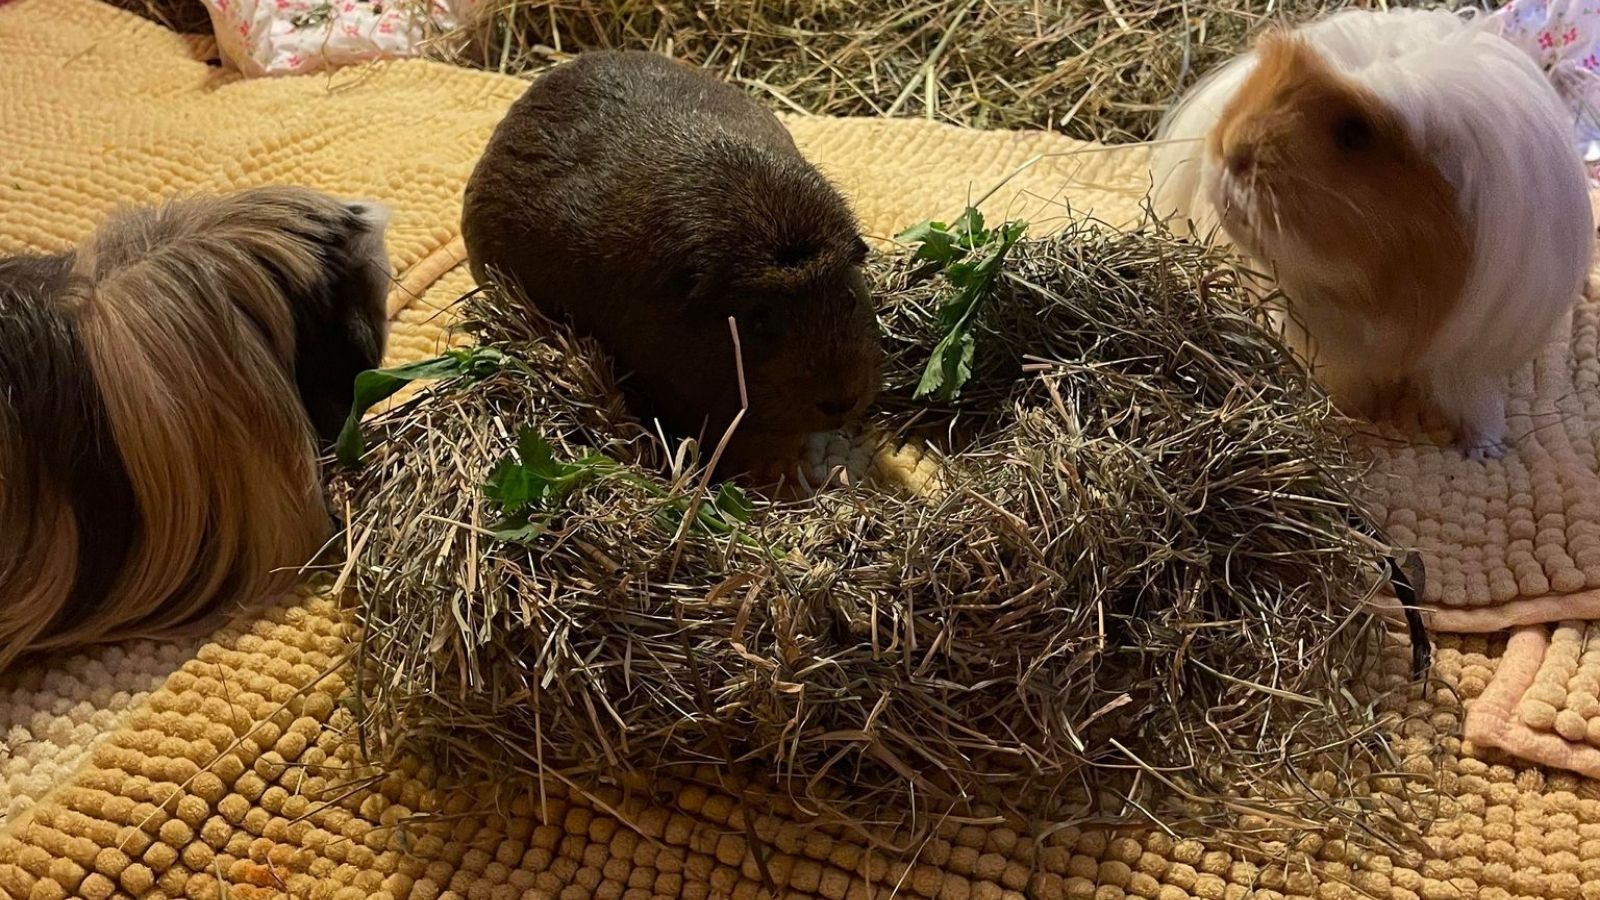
(1275, 38)
(375, 214)
(795, 254)
(1284, 56)
(369, 244)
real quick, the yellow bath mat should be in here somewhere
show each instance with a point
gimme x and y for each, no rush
(238, 779)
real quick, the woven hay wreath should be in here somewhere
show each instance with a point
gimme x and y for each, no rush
(1093, 555)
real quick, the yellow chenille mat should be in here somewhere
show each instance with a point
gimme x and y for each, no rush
(223, 769)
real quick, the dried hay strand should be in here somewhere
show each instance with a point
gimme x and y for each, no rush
(1133, 594)
(1093, 69)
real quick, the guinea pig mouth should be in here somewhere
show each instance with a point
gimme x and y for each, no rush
(1240, 206)
(834, 413)
(831, 417)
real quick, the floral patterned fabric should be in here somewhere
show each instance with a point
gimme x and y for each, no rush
(1564, 37)
(269, 37)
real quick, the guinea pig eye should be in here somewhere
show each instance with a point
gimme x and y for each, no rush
(793, 256)
(684, 283)
(1352, 133)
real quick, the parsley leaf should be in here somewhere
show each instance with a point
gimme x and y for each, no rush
(529, 485)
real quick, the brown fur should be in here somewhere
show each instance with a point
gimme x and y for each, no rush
(647, 203)
(187, 322)
(1333, 167)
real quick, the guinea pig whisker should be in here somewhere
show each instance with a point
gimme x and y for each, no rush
(1311, 185)
(1277, 211)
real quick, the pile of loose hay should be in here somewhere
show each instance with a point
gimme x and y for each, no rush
(1094, 69)
(1132, 592)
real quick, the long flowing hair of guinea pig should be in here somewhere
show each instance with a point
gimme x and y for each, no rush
(37, 570)
(184, 320)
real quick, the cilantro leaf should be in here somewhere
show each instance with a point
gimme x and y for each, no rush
(950, 365)
(529, 485)
(971, 257)
(935, 242)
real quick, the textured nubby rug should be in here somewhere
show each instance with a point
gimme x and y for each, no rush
(224, 768)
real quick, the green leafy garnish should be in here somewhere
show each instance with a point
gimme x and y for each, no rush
(531, 484)
(732, 505)
(969, 256)
(729, 509)
(377, 385)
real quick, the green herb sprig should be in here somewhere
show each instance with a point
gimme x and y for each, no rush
(377, 385)
(530, 485)
(969, 256)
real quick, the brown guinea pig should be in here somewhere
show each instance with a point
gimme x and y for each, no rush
(647, 203)
(163, 388)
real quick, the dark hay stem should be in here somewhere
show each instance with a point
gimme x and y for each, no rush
(1135, 596)
(1093, 69)
(183, 16)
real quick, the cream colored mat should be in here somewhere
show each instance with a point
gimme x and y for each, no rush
(226, 779)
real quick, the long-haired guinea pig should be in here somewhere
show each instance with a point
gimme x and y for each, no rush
(647, 203)
(162, 391)
(1411, 180)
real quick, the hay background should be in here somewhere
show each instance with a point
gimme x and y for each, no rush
(102, 108)
(1086, 68)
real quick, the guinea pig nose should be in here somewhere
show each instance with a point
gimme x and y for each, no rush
(1240, 162)
(835, 407)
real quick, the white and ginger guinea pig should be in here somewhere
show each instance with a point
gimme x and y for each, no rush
(1410, 179)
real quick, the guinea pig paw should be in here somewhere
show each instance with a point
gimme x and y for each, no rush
(1482, 449)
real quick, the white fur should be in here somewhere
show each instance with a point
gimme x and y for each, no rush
(1493, 124)
(371, 245)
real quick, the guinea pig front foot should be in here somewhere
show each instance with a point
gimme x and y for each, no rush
(1482, 451)
(769, 465)
(778, 480)
(1482, 440)
(1475, 410)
